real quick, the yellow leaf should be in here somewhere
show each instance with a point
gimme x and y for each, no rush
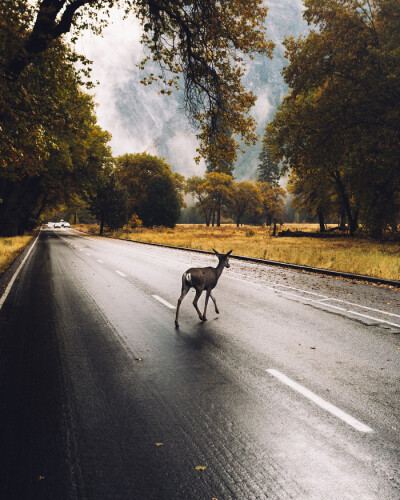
(159, 444)
(201, 467)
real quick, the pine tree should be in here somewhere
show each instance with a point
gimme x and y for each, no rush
(267, 170)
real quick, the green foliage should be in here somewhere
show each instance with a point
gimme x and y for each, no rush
(244, 199)
(161, 205)
(340, 122)
(206, 42)
(151, 185)
(267, 170)
(108, 201)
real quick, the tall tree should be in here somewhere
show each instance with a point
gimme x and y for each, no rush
(204, 204)
(267, 170)
(108, 200)
(49, 140)
(244, 199)
(218, 187)
(161, 205)
(272, 203)
(205, 41)
(136, 172)
(342, 115)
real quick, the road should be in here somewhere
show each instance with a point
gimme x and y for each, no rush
(292, 391)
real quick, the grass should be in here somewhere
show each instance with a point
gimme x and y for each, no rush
(10, 248)
(340, 253)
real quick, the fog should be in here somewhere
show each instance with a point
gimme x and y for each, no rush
(141, 120)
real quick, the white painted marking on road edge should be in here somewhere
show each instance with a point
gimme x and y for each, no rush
(337, 412)
(7, 290)
(164, 302)
(121, 274)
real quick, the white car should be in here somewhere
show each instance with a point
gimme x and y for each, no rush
(66, 224)
(57, 225)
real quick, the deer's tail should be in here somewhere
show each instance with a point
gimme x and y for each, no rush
(186, 279)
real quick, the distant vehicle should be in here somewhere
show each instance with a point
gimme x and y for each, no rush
(66, 224)
(57, 225)
(50, 224)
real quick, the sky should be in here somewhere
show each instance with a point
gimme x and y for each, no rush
(136, 115)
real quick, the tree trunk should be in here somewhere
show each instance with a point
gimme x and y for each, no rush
(352, 219)
(101, 225)
(342, 224)
(321, 220)
(218, 216)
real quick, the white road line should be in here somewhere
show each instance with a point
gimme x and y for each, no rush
(99, 260)
(334, 410)
(10, 284)
(121, 274)
(163, 302)
(362, 315)
(369, 308)
(319, 301)
(304, 291)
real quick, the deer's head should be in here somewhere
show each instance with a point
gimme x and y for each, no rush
(223, 257)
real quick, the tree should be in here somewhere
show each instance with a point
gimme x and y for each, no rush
(244, 198)
(204, 204)
(49, 140)
(206, 42)
(161, 205)
(136, 172)
(315, 196)
(108, 201)
(341, 119)
(267, 170)
(272, 203)
(218, 186)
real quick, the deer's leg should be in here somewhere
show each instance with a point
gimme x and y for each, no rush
(185, 289)
(196, 298)
(215, 302)
(205, 305)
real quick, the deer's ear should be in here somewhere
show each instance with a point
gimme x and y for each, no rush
(230, 251)
(216, 253)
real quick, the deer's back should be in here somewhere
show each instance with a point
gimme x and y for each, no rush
(203, 276)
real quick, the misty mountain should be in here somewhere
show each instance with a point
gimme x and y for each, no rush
(141, 120)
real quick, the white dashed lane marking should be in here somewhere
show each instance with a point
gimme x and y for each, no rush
(334, 410)
(163, 301)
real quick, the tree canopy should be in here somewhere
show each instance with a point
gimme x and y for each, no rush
(50, 145)
(340, 121)
(205, 42)
(151, 186)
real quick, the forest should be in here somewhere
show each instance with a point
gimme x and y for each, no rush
(335, 136)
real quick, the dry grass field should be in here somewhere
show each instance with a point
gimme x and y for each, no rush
(10, 248)
(339, 253)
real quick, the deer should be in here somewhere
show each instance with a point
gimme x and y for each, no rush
(202, 278)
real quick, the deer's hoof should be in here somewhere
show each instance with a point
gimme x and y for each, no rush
(176, 324)
(204, 318)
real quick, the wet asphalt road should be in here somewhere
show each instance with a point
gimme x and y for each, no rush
(102, 398)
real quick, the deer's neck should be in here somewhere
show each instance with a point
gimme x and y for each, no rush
(219, 270)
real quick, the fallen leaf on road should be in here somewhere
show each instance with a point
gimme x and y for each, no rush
(312, 347)
(40, 478)
(201, 467)
(138, 359)
(159, 444)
